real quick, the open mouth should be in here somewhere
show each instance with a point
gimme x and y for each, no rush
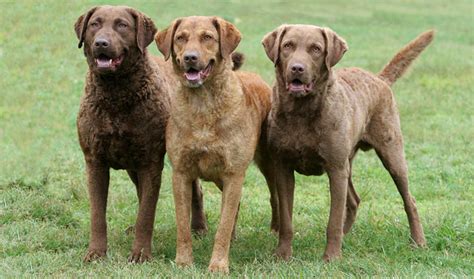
(297, 86)
(105, 62)
(195, 76)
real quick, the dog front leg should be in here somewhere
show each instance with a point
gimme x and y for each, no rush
(98, 186)
(182, 193)
(231, 193)
(149, 183)
(338, 179)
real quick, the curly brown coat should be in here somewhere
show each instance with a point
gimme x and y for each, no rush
(320, 118)
(215, 126)
(122, 119)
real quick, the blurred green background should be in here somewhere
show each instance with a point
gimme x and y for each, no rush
(44, 217)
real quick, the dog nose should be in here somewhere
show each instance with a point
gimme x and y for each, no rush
(297, 68)
(191, 57)
(101, 42)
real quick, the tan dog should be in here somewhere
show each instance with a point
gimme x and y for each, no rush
(320, 118)
(122, 119)
(215, 125)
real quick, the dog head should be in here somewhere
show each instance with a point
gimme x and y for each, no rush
(304, 56)
(114, 37)
(199, 46)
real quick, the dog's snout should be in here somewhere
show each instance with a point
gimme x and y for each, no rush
(101, 43)
(297, 68)
(191, 56)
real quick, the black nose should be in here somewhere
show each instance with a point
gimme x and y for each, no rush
(297, 68)
(191, 57)
(102, 43)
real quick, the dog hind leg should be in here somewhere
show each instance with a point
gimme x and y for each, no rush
(393, 159)
(352, 203)
(198, 219)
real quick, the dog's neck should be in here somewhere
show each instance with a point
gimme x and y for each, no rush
(308, 106)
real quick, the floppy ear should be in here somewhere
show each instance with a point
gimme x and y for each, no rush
(81, 25)
(229, 36)
(164, 39)
(335, 47)
(271, 43)
(145, 29)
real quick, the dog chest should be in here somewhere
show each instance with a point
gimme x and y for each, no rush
(298, 148)
(120, 142)
(205, 160)
(303, 159)
(124, 150)
(209, 153)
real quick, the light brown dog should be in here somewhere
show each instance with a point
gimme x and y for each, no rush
(320, 118)
(215, 125)
(122, 120)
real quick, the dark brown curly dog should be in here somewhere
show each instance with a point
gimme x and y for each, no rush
(122, 119)
(320, 118)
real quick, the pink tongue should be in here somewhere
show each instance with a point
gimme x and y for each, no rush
(104, 63)
(296, 87)
(192, 76)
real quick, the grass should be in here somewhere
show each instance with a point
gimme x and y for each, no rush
(44, 217)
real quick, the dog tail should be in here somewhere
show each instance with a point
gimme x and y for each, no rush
(402, 60)
(237, 60)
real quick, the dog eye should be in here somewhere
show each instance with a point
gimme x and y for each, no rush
(94, 24)
(288, 45)
(180, 38)
(316, 49)
(207, 37)
(122, 25)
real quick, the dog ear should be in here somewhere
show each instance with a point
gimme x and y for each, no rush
(335, 47)
(81, 25)
(145, 29)
(229, 36)
(271, 43)
(164, 39)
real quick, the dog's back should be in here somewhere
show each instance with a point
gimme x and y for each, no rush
(257, 92)
(370, 94)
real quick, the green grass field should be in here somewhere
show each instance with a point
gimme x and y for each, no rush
(44, 213)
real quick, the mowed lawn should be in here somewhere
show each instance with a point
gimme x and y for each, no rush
(44, 211)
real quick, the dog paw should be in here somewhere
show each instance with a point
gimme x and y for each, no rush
(184, 261)
(199, 230)
(348, 222)
(130, 230)
(275, 227)
(220, 266)
(419, 242)
(94, 254)
(331, 256)
(139, 256)
(234, 235)
(283, 253)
